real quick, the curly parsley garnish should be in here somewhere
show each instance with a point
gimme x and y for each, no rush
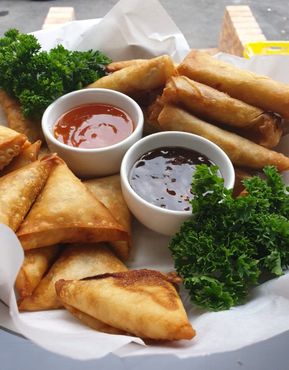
(231, 244)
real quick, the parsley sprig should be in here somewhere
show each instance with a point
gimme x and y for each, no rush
(231, 244)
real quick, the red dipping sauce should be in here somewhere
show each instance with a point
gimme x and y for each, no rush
(92, 126)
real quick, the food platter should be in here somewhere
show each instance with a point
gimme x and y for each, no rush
(235, 329)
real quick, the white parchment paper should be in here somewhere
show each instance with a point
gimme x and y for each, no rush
(141, 29)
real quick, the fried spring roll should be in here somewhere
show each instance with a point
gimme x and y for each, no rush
(254, 89)
(241, 151)
(213, 105)
(138, 77)
(116, 66)
(141, 302)
(76, 262)
(36, 263)
(19, 189)
(16, 120)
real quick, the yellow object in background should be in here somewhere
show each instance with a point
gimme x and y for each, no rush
(266, 48)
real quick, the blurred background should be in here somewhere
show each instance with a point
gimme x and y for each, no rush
(199, 20)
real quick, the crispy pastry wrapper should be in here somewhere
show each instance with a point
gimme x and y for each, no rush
(241, 151)
(108, 191)
(67, 212)
(257, 90)
(16, 120)
(11, 143)
(214, 106)
(140, 302)
(76, 262)
(142, 76)
(20, 188)
(35, 265)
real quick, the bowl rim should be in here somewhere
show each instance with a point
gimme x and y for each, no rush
(48, 134)
(125, 174)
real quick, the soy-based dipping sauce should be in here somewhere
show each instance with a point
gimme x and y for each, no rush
(93, 126)
(163, 176)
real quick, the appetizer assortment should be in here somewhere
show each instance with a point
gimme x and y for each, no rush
(76, 233)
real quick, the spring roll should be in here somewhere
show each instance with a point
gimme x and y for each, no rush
(28, 155)
(11, 143)
(138, 77)
(213, 105)
(76, 262)
(19, 189)
(67, 212)
(241, 151)
(16, 120)
(116, 66)
(254, 89)
(108, 191)
(35, 265)
(140, 302)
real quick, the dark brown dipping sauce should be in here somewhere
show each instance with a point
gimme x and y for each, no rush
(163, 176)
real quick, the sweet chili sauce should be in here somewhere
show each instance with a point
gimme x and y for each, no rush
(93, 126)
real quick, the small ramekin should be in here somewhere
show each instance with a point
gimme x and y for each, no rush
(88, 163)
(161, 220)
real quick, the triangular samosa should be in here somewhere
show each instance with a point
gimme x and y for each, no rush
(139, 302)
(19, 189)
(11, 143)
(76, 262)
(36, 263)
(108, 191)
(28, 154)
(67, 212)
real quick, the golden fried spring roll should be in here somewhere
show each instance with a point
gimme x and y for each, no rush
(11, 143)
(36, 263)
(28, 155)
(108, 191)
(139, 77)
(241, 151)
(254, 89)
(76, 262)
(213, 105)
(67, 212)
(116, 66)
(16, 121)
(140, 302)
(19, 189)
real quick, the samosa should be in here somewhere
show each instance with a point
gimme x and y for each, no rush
(19, 189)
(76, 262)
(108, 191)
(140, 302)
(11, 143)
(67, 212)
(35, 265)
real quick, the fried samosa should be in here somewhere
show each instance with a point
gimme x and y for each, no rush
(140, 302)
(241, 151)
(76, 262)
(67, 212)
(143, 76)
(108, 191)
(11, 143)
(28, 155)
(19, 189)
(16, 120)
(36, 263)
(213, 105)
(254, 89)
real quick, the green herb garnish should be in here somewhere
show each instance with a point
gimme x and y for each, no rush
(36, 78)
(231, 244)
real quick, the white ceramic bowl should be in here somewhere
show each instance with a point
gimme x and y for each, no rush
(83, 162)
(162, 220)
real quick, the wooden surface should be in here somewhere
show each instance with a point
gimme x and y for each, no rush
(239, 27)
